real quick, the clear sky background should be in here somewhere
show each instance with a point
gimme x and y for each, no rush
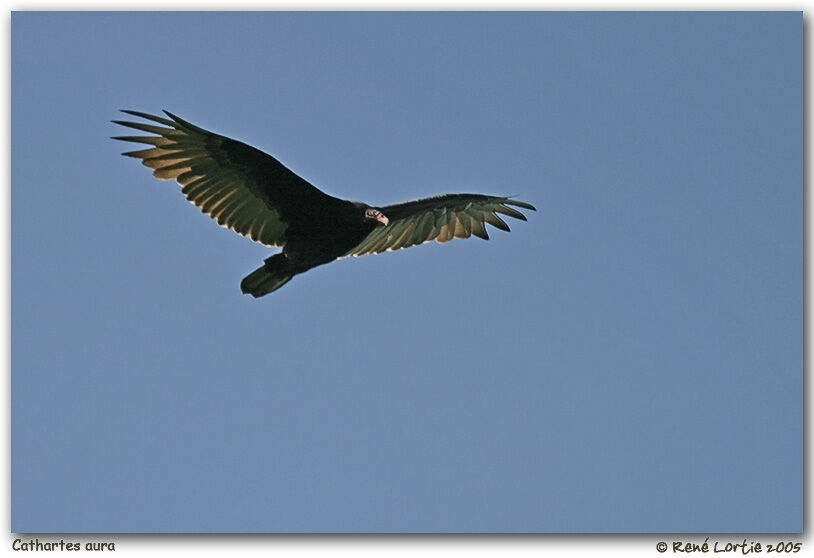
(629, 360)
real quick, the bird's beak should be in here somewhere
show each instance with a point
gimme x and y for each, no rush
(382, 218)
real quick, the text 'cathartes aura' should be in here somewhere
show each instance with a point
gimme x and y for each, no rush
(253, 194)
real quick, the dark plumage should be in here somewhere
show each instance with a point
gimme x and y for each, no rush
(253, 194)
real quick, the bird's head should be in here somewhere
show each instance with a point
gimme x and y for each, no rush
(373, 214)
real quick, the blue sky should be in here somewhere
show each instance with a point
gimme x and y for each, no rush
(628, 360)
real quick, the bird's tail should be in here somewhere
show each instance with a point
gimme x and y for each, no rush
(273, 274)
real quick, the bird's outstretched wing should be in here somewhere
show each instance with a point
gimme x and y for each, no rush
(438, 218)
(239, 186)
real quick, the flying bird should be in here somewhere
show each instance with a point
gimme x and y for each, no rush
(253, 194)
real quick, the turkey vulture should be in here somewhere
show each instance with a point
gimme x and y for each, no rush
(253, 194)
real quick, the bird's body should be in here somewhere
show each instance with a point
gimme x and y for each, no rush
(255, 195)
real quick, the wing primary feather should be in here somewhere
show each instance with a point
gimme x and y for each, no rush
(165, 174)
(150, 128)
(493, 219)
(155, 165)
(184, 124)
(149, 117)
(517, 203)
(173, 153)
(479, 230)
(150, 140)
(183, 163)
(141, 153)
(506, 210)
